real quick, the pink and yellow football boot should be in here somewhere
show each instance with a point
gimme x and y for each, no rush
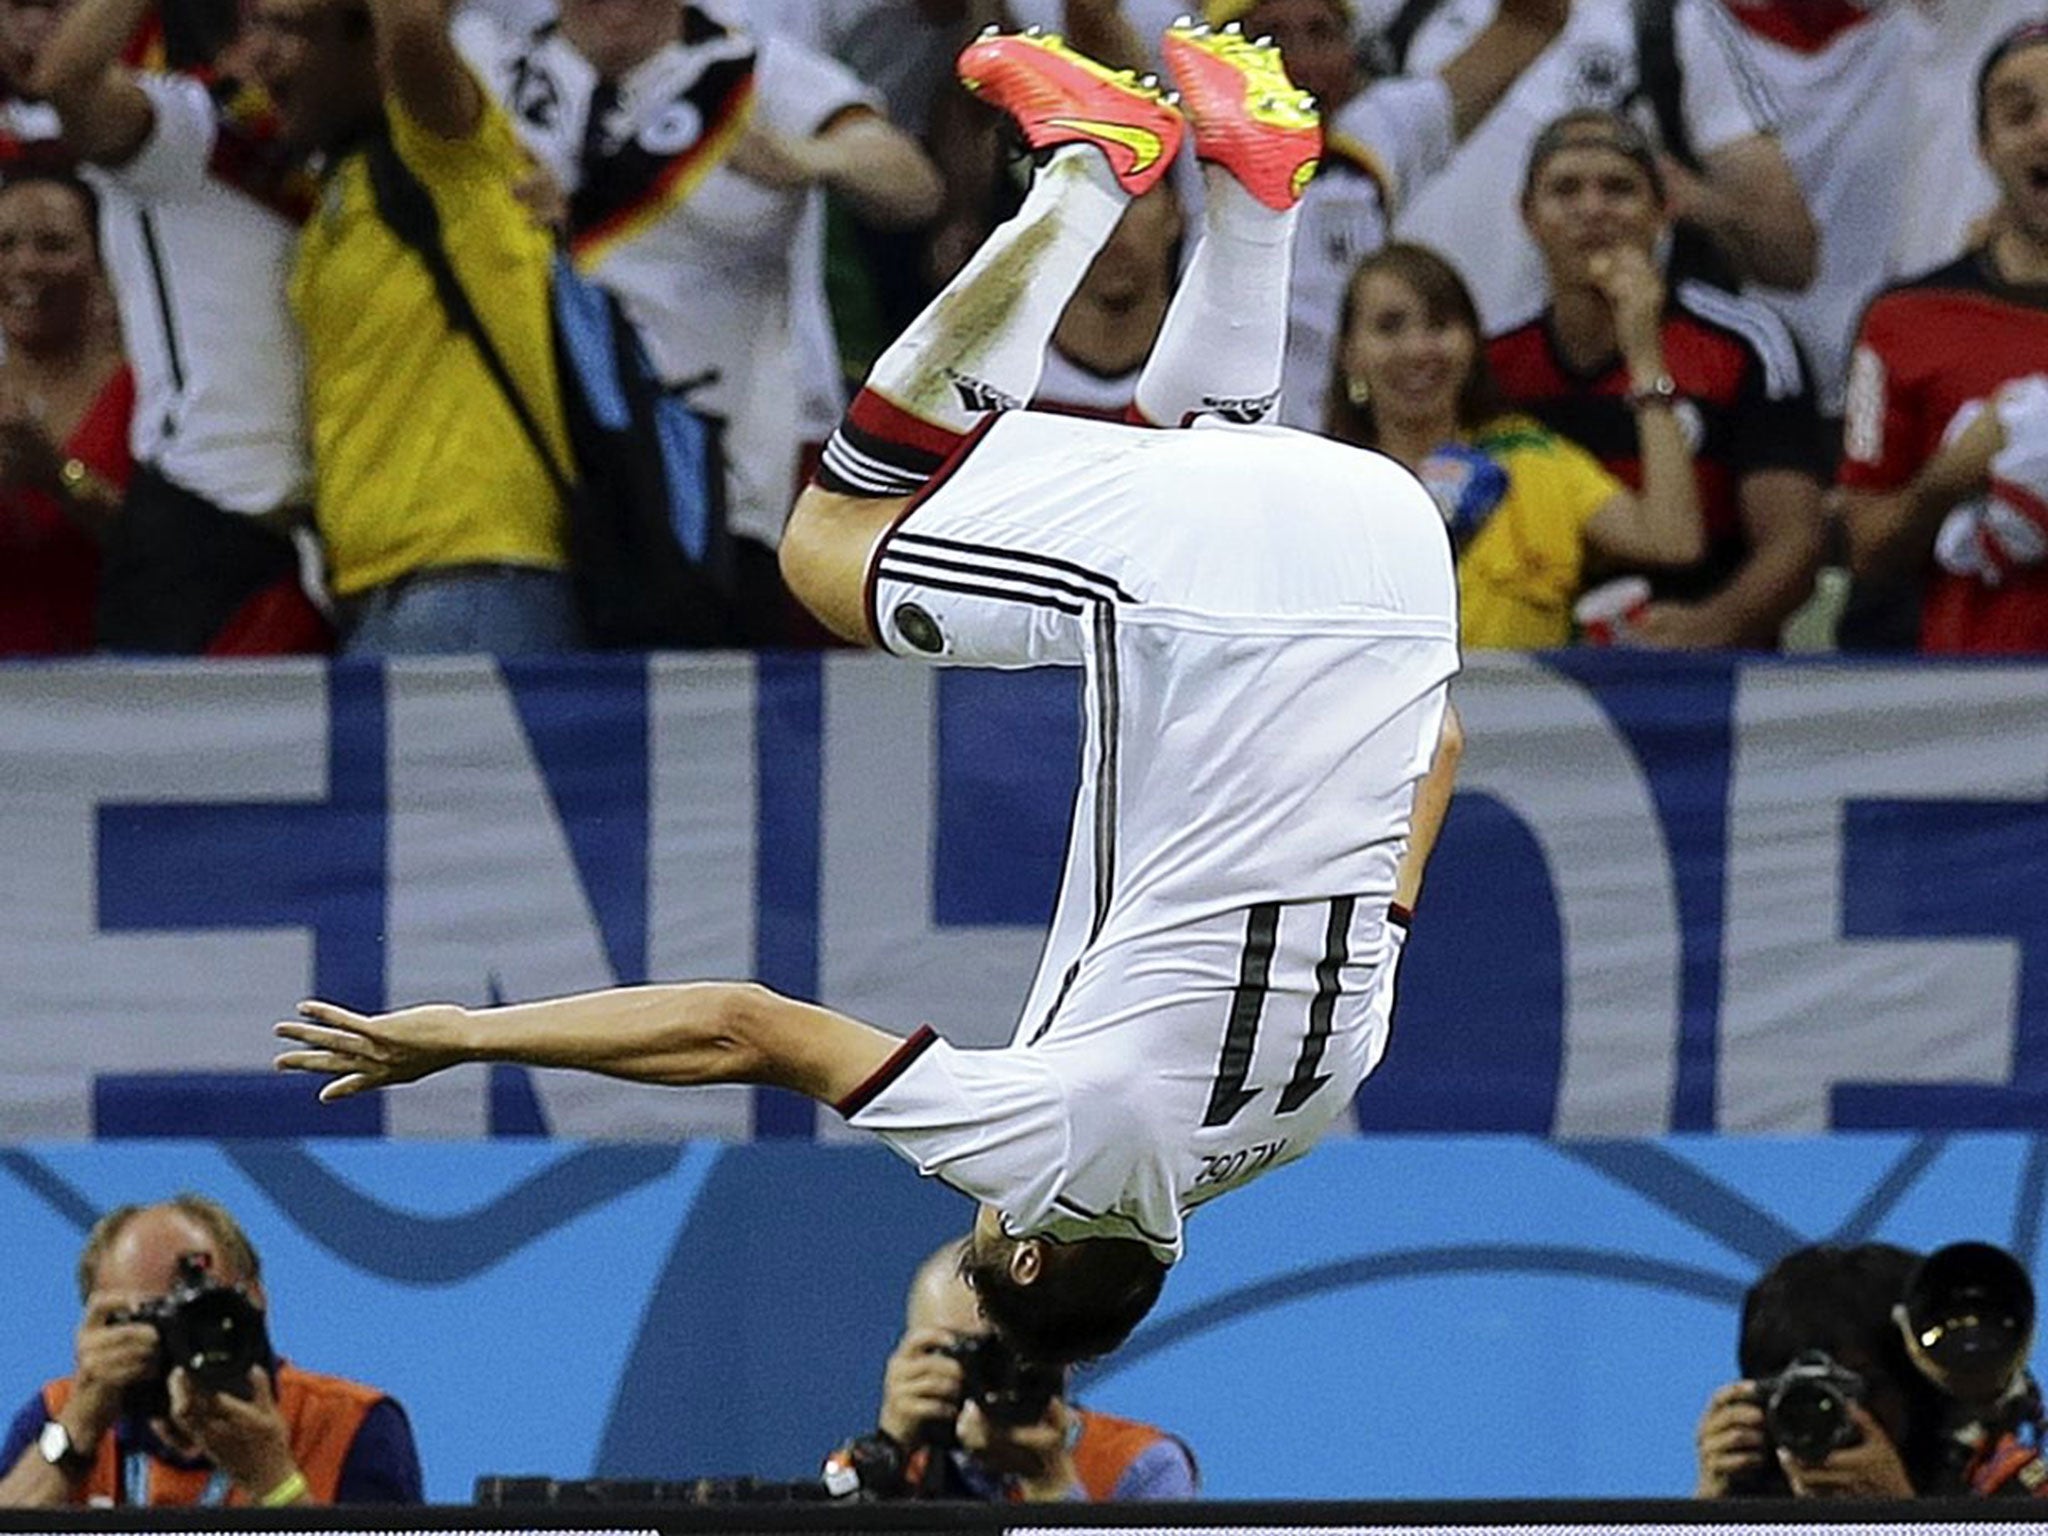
(1057, 96)
(1248, 117)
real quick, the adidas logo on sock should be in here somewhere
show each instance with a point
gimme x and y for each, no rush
(1244, 410)
(979, 395)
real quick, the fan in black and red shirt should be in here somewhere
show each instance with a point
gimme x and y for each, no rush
(1595, 206)
(1945, 461)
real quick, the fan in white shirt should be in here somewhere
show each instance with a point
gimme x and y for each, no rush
(694, 157)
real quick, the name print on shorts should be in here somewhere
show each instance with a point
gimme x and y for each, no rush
(1239, 1162)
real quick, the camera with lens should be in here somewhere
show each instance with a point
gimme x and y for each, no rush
(1968, 1316)
(1010, 1389)
(1806, 1406)
(210, 1328)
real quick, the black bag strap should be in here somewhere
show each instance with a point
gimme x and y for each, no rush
(1661, 78)
(1398, 36)
(408, 210)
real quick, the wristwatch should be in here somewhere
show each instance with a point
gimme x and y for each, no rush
(55, 1445)
(1660, 390)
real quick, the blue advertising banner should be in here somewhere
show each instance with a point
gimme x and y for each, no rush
(1675, 894)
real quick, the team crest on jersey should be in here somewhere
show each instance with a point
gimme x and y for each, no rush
(1600, 79)
(920, 631)
(678, 126)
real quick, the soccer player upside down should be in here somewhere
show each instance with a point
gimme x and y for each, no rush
(1265, 622)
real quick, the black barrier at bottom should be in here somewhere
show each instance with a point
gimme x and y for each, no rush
(600, 1508)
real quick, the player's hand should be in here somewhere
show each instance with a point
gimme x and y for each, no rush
(361, 1051)
(1037, 1455)
(246, 1437)
(920, 1385)
(540, 192)
(774, 159)
(111, 1357)
(1729, 1440)
(1870, 1469)
(1628, 279)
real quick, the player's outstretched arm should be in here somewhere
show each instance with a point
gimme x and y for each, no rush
(1432, 804)
(676, 1035)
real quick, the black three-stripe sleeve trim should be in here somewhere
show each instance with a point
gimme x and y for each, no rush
(888, 568)
(878, 1080)
(903, 560)
(1104, 586)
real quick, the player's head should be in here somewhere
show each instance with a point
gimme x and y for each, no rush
(1593, 184)
(1409, 345)
(1059, 1303)
(2012, 124)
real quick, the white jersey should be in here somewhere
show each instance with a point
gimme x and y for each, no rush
(1469, 209)
(30, 134)
(198, 230)
(1378, 148)
(1825, 64)
(721, 273)
(1942, 177)
(1266, 622)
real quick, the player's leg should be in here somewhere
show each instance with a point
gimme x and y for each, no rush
(979, 347)
(1225, 336)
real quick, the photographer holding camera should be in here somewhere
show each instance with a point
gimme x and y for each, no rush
(963, 1418)
(1874, 1372)
(178, 1398)
(1830, 1404)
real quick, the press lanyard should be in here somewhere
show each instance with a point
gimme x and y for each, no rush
(135, 1482)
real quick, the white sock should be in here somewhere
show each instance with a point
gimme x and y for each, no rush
(980, 345)
(1225, 335)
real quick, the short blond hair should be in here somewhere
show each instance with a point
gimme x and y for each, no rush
(226, 1232)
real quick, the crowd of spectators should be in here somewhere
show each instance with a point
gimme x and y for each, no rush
(1648, 295)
